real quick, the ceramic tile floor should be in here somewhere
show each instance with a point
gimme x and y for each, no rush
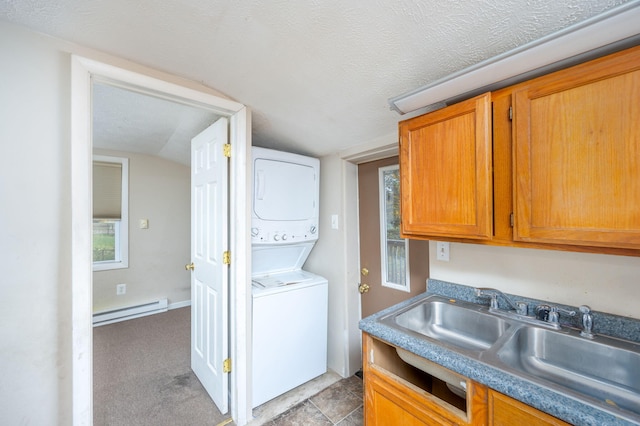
(339, 404)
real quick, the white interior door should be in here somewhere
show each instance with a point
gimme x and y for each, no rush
(210, 276)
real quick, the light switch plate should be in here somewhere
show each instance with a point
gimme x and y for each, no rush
(334, 221)
(442, 249)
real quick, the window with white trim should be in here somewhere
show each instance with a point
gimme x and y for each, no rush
(394, 253)
(110, 213)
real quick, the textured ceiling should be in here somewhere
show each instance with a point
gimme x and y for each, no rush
(128, 121)
(317, 73)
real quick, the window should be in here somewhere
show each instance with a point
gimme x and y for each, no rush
(394, 250)
(110, 213)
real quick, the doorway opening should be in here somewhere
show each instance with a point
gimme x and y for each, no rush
(381, 149)
(84, 73)
(141, 205)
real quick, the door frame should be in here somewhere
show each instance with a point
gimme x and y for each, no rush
(384, 147)
(83, 72)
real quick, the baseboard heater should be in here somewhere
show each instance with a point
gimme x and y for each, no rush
(137, 311)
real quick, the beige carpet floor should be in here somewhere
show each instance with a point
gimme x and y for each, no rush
(142, 376)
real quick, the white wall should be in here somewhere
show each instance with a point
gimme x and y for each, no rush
(35, 217)
(606, 283)
(336, 255)
(159, 190)
(329, 259)
(35, 232)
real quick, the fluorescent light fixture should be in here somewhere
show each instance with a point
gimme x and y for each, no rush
(613, 30)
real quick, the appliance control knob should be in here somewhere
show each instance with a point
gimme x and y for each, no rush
(284, 237)
(313, 229)
(255, 232)
(276, 237)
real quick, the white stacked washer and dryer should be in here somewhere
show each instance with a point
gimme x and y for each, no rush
(289, 304)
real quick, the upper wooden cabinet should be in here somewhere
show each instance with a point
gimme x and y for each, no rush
(566, 168)
(577, 155)
(445, 175)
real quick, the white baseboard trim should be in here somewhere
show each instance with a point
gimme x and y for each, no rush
(130, 312)
(177, 305)
(138, 311)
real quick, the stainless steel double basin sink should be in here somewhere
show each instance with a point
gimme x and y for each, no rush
(603, 371)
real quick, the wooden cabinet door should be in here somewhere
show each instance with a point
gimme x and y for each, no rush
(506, 411)
(445, 172)
(577, 155)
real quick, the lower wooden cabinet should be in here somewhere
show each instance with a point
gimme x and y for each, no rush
(506, 411)
(389, 402)
(397, 393)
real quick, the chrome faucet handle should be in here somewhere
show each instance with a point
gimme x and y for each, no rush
(587, 321)
(551, 313)
(554, 317)
(523, 308)
(494, 301)
(493, 295)
(480, 292)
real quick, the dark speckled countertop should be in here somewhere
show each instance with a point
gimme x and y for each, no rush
(555, 403)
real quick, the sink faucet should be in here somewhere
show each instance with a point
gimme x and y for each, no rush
(519, 307)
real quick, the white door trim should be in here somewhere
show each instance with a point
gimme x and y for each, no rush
(83, 71)
(383, 147)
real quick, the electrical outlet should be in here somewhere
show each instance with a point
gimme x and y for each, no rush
(442, 250)
(121, 289)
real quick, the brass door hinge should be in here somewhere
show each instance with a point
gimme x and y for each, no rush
(226, 365)
(510, 113)
(226, 258)
(226, 150)
(511, 220)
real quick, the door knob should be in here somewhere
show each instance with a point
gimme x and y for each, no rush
(190, 266)
(364, 272)
(363, 288)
